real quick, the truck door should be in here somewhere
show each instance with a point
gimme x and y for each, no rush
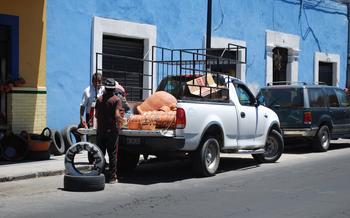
(247, 112)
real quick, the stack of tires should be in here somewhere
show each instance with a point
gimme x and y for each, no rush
(75, 180)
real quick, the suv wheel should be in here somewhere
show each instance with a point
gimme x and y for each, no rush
(322, 140)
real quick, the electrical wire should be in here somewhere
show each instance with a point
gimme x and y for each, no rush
(222, 17)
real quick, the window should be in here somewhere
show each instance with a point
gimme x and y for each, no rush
(326, 73)
(105, 28)
(282, 56)
(316, 97)
(327, 68)
(117, 64)
(245, 97)
(225, 65)
(283, 98)
(239, 53)
(342, 98)
(280, 60)
(332, 98)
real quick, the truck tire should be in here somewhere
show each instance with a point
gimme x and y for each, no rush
(126, 161)
(207, 157)
(321, 141)
(57, 146)
(84, 183)
(273, 149)
(70, 136)
(99, 161)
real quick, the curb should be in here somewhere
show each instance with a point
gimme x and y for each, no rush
(37, 175)
(31, 176)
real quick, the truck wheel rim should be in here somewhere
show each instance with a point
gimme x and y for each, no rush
(271, 147)
(211, 155)
(324, 139)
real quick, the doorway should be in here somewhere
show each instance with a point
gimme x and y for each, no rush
(280, 60)
(127, 71)
(325, 73)
(5, 40)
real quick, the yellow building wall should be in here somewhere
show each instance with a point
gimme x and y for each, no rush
(27, 109)
(26, 105)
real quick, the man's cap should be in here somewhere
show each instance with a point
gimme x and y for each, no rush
(110, 83)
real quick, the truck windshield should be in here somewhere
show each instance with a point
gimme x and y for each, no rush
(283, 98)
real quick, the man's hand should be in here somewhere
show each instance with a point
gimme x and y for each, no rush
(83, 124)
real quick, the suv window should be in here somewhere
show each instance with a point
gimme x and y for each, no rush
(343, 99)
(316, 97)
(244, 96)
(283, 97)
(332, 98)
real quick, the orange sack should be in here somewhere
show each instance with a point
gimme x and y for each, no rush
(158, 101)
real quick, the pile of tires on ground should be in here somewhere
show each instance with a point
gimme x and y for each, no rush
(16, 147)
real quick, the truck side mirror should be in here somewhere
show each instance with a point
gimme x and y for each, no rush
(260, 100)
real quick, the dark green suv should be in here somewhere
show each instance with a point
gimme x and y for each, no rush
(317, 113)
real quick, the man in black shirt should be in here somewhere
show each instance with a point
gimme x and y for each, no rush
(108, 119)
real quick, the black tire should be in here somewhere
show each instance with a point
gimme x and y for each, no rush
(126, 161)
(38, 155)
(206, 158)
(71, 136)
(321, 140)
(273, 149)
(57, 146)
(84, 183)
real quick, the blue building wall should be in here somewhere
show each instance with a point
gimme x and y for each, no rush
(321, 25)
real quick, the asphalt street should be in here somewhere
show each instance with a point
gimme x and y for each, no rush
(301, 184)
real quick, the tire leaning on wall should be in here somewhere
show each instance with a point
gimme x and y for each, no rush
(57, 146)
(70, 136)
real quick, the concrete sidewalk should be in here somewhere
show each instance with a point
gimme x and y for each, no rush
(12, 171)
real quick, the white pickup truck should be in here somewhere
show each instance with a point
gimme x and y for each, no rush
(227, 120)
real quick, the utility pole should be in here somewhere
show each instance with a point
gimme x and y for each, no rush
(209, 24)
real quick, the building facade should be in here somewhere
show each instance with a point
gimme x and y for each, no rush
(286, 40)
(23, 65)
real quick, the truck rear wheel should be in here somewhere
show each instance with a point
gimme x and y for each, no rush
(321, 141)
(207, 158)
(273, 149)
(126, 161)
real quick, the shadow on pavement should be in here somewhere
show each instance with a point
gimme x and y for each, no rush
(154, 171)
(305, 148)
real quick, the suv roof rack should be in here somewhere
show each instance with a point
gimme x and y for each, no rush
(286, 83)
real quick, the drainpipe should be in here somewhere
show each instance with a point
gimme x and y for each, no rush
(209, 24)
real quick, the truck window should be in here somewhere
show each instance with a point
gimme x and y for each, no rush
(316, 97)
(342, 98)
(332, 98)
(283, 97)
(244, 96)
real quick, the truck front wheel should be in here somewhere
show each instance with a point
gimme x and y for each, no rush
(207, 157)
(273, 149)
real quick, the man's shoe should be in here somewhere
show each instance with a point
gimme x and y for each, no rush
(113, 180)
